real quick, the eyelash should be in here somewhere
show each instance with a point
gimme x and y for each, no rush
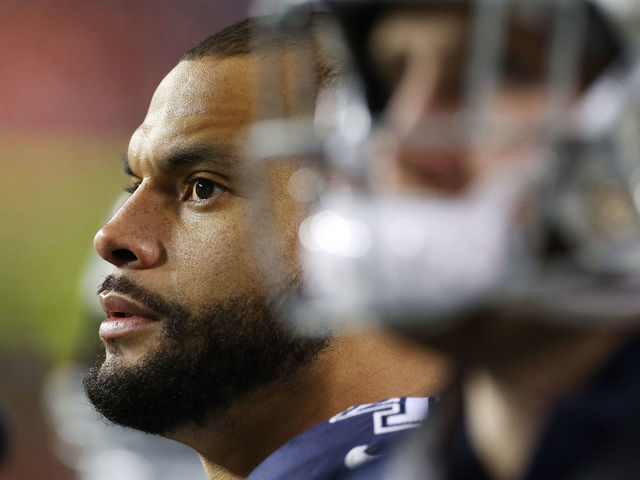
(187, 190)
(132, 188)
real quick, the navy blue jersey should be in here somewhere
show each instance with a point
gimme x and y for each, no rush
(592, 433)
(334, 448)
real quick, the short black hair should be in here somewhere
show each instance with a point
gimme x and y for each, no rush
(233, 40)
(251, 36)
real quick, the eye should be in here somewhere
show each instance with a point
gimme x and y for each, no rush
(133, 187)
(202, 189)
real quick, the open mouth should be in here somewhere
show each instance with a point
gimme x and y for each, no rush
(126, 317)
(116, 305)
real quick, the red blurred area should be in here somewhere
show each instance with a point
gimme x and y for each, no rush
(92, 65)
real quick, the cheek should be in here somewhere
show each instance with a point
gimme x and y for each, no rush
(287, 212)
(288, 220)
(212, 258)
(524, 106)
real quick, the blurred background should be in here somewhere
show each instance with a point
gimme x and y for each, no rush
(75, 81)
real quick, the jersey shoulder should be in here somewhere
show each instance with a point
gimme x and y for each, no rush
(346, 441)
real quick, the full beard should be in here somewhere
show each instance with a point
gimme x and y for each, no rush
(203, 364)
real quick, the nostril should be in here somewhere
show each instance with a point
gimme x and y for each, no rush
(123, 255)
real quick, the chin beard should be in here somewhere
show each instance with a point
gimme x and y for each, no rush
(203, 364)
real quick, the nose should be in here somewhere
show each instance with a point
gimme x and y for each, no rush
(131, 239)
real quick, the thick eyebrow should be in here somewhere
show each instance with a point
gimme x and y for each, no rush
(221, 156)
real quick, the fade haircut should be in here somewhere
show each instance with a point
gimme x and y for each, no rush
(251, 36)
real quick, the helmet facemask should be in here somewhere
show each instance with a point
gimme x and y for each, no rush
(464, 163)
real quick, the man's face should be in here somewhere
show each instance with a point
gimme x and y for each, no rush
(447, 195)
(459, 134)
(190, 328)
(453, 128)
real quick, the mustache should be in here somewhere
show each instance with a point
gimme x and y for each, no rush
(152, 300)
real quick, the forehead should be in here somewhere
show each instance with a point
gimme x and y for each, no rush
(197, 87)
(208, 100)
(431, 28)
(418, 26)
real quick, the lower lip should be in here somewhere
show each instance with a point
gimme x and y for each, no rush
(114, 327)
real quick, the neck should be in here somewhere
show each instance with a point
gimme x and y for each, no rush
(354, 369)
(506, 403)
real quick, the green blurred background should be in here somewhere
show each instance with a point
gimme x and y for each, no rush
(75, 80)
(54, 193)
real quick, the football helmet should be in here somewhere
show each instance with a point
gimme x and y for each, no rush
(467, 153)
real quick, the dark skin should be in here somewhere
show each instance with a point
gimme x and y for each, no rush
(422, 56)
(184, 233)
